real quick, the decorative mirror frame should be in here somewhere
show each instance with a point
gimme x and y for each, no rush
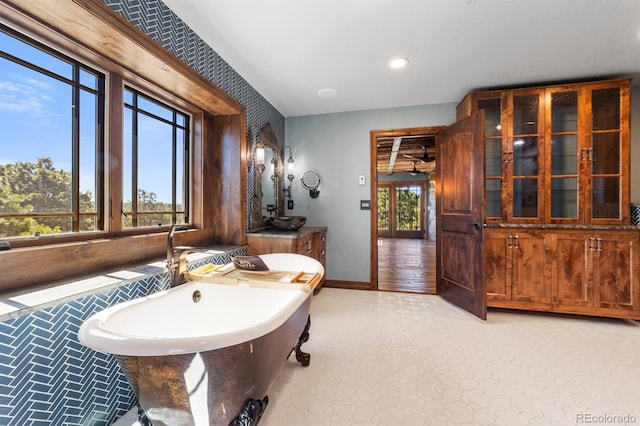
(268, 138)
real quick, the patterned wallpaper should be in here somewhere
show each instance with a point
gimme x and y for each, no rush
(46, 376)
(156, 20)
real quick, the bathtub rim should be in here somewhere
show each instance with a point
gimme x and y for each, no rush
(93, 335)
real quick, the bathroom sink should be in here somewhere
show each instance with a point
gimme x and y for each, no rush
(288, 223)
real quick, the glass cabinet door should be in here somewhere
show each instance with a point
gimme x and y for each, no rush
(523, 155)
(604, 153)
(564, 155)
(493, 156)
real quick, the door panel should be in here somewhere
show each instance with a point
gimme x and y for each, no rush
(528, 263)
(460, 215)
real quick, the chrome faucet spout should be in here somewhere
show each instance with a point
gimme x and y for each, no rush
(173, 265)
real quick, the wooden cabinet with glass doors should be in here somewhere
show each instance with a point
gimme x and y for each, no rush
(558, 156)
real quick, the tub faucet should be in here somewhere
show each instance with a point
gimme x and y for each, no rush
(177, 257)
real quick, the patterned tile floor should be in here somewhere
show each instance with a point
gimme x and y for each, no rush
(380, 358)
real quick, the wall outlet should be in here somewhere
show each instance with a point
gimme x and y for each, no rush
(361, 180)
(290, 204)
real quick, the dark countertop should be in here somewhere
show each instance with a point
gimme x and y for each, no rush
(563, 226)
(276, 233)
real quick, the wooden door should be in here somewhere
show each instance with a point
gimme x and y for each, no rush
(460, 214)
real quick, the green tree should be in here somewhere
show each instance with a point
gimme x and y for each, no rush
(38, 188)
(383, 208)
(408, 210)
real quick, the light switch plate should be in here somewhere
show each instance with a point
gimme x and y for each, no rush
(361, 180)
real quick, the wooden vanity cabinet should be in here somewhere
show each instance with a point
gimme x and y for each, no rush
(309, 240)
(588, 272)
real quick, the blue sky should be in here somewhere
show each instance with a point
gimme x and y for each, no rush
(36, 113)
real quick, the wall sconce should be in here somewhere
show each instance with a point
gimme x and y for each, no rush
(259, 157)
(290, 161)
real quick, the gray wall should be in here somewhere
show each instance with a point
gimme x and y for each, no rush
(336, 146)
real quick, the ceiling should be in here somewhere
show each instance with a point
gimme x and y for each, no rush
(289, 50)
(414, 154)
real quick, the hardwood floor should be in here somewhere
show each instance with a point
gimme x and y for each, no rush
(407, 265)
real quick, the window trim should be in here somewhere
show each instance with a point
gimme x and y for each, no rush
(93, 33)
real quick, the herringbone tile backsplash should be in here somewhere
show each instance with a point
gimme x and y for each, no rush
(46, 376)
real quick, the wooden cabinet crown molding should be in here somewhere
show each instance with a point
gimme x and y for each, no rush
(77, 25)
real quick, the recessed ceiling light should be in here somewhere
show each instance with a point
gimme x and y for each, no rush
(327, 93)
(398, 62)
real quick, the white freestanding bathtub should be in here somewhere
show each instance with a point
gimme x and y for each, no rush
(206, 354)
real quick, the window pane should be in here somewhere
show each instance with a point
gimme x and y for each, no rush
(155, 108)
(50, 146)
(408, 216)
(88, 79)
(155, 164)
(127, 162)
(383, 209)
(35, 56)
(88, 152)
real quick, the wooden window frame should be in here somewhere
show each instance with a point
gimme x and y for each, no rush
(93, 33)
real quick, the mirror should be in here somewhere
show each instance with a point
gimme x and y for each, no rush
(267, 200)
(311, 182)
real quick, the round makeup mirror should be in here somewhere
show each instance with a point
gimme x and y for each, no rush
(311, 182)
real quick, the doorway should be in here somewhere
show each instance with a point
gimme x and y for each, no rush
(403, 248)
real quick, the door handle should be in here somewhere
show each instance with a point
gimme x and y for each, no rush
(476, 225)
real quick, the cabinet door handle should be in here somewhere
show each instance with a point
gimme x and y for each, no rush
(591, 246)
(505, 157)
(510, 241)
(516, 241)
(598, 244)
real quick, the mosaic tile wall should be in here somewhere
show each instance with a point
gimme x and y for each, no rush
(156, 20)
(47, 377)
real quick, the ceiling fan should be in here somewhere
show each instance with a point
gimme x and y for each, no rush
(426, 158)
(415, 171)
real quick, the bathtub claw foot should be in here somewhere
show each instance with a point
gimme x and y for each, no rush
(251, 412)
(303, 357)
